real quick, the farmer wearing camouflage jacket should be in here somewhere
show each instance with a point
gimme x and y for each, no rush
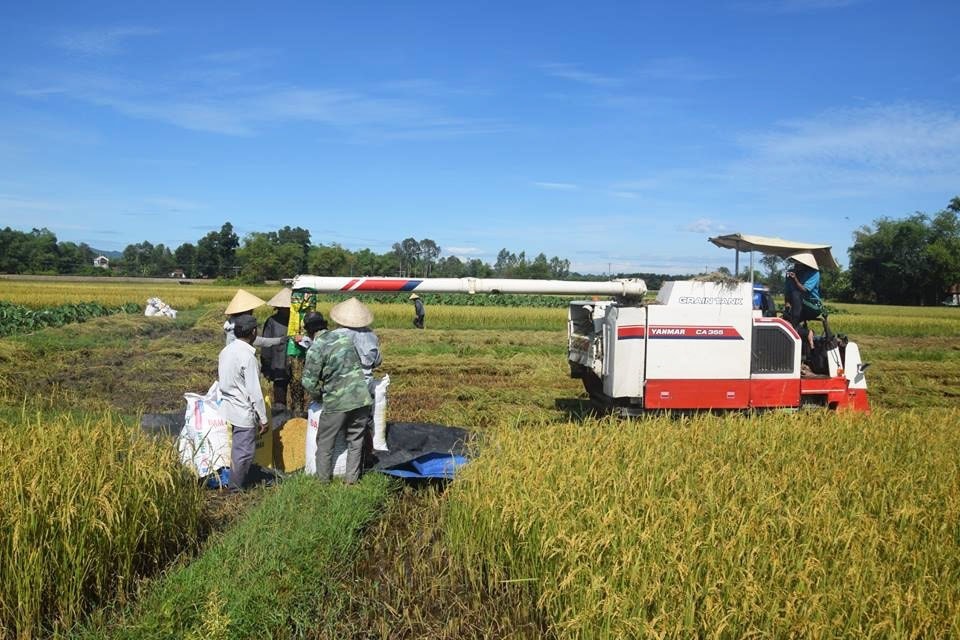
(333, 375)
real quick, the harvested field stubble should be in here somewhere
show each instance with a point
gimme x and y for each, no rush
(820, 525)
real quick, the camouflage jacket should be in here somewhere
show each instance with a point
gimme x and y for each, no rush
(332, 373)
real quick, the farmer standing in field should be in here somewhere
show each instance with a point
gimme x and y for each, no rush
(243, 407)
(333, 375)
(273, 359)
(355, 320)
(243, 304)
(418, 311)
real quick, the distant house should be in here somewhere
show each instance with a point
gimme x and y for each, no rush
(102, 262)
(953, 296)
(178, 273)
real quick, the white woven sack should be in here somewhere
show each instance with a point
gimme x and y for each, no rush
(380, 414)
(204, 441)
(310, 450)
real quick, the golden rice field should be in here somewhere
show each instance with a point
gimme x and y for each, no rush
(800, 525)
(806, 525)
(88, 507)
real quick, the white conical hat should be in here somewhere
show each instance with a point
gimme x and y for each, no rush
(243, 301)
(281, 298)
(351, 313)
(806, 258)
(413, 296)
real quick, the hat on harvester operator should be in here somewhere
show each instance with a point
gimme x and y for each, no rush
(244, 326)
(805, 258)
(352, 314)
(413, 296)
(281, 299)
(243, 301)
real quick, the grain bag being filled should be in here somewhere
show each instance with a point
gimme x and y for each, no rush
(339, 447)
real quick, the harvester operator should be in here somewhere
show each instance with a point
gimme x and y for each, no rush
(802, 292)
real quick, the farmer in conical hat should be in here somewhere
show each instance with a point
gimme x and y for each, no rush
(354, 319)
(274, 362)
(333, 375)
(243, 304)
(418, 311)
(802, 292)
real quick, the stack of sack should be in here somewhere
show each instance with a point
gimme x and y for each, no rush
(157, 307)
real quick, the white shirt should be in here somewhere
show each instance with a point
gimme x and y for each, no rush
(239, 375)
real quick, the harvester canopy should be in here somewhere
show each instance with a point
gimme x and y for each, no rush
(777, 247)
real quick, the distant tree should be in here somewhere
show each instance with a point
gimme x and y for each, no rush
(907, 261)
(559, 268)
(216, 252)
(258, 258)
(367, 263)
(42, 255)
(73, 258)
(449, 267)
(300, 238)
(186, 258)
(227, 243)
(429, 252)
(539, 269)
(773, 275)
(329, 260)
(477, 268)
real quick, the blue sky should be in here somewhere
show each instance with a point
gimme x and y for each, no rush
(618, 135)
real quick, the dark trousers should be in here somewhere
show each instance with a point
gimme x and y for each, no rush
(418, 322)
(799, 311)
(280, 393)
(241, 454)
(354, 423)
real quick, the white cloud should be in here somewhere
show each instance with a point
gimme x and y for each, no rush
(198, 103)
(556, 186)
(675, 68)
(793, 6)
(101, 42)
(464, 251)
(574, 73)
(176, 205)
(703, 226)
(861, 151)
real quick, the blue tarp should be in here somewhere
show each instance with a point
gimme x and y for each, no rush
(431, 465)
(423, 450)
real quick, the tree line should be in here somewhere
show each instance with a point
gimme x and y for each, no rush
(262, 256)
(908, 261)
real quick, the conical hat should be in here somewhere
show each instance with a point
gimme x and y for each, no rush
(243, 301)
(281, 299)
(805, 258)
(413, 296)
(352, 313)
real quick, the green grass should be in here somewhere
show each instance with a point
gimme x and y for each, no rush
(276, 574)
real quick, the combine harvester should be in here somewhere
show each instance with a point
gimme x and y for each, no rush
(702, 345)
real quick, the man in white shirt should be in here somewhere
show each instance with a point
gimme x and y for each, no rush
(242, 398)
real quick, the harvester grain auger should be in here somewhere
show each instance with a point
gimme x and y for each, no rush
(700, 346)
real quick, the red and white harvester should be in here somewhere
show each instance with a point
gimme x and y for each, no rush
(701, 345)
